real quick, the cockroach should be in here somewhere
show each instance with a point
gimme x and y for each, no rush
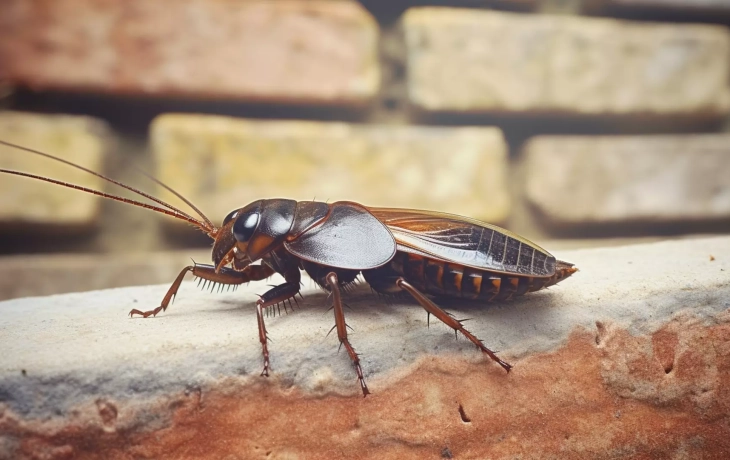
(423, 254)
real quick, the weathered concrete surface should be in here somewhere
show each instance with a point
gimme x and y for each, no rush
(82, 140)
(628, 358)
(477, 61)
(223, 163)
(578, 180)
(292, 51)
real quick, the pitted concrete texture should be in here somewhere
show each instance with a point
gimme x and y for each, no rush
(630, 357)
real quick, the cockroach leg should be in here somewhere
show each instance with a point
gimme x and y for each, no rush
(449, 320)
(207, 273)
(341, 326)
(171, 292)
(273, 296)
(263, 337)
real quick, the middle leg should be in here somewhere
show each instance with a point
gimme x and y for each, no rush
(334, 286)
(273, 296)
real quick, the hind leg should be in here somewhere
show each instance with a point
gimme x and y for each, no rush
(449, 320)
(389, 282)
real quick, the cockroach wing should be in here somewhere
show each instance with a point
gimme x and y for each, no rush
(465, 241)
(348, 237)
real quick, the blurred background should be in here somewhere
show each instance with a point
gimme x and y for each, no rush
(576, 123)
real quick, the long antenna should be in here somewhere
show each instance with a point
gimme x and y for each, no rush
(174, 213)
(174, 192)
(209, 224)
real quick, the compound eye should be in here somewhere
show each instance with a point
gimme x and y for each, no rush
(231, 215)
(245, 225)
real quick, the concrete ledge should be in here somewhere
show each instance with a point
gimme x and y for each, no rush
(638, 339)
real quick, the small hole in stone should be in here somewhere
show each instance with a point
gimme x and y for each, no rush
(24, 372)
(462, 413)
(669, 368)
(600, 331)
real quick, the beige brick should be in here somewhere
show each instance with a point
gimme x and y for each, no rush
(78, 139)
(583, 179)
(270, 51)
(225, 163)
(468, 60)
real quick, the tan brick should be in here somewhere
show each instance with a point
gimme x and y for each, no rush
(78, 139)
(282, 51)
(468, 60)
(225, 163)
(583, 179)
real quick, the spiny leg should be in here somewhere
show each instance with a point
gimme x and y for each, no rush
(289, 268)
(449, 320)
(207, 272)
(273, 296)
(333, 284)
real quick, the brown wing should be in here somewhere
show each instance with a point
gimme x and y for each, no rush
(465, 241)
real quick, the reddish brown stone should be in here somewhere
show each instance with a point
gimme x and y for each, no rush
(282, 51)
(665, 343)
(584, 401)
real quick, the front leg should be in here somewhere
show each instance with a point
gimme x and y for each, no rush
(207, 272)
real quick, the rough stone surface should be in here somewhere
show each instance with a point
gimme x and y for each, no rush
(628, 358)
(282, 51)
(224, 163)
(584, 179)
(78, 139)
(466, 60)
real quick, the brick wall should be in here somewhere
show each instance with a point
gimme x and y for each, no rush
(584, 119)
